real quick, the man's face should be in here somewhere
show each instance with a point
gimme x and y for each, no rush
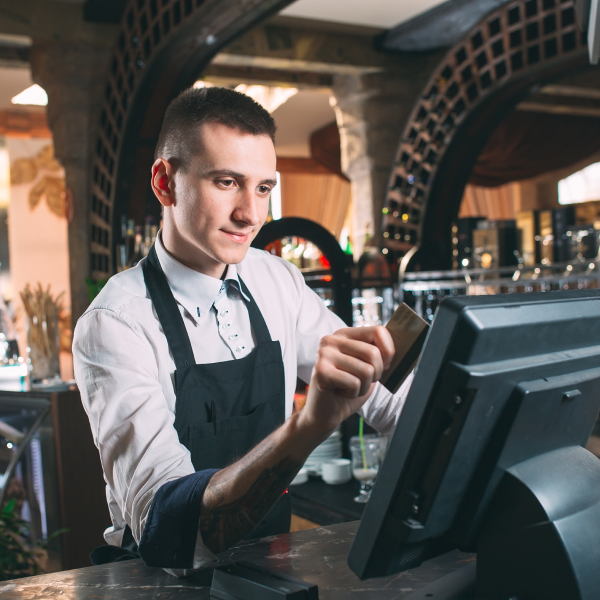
(222, 199)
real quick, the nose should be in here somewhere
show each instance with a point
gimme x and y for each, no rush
(246, 211)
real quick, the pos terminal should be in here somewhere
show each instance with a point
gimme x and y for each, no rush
(489, 456)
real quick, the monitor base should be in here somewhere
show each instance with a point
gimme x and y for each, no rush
(540, 536)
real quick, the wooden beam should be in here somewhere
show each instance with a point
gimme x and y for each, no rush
(12, 55)
(440, 27)
(104, 11)
(309, 166)
(229, 74)
(282, 63)
(559, 109)
(570, 91)
(296, 47)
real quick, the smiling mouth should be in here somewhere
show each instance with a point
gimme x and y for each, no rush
(239, 238)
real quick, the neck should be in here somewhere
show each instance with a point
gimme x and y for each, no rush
(191, 256)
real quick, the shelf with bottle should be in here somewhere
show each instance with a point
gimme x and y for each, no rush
(423, 291)
(13, 367)
(372, 304)
(305, 255)
(136, 242)
(311, 262)
(533, 238)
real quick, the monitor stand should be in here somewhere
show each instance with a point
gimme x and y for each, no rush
(541, 534)
(540, 539)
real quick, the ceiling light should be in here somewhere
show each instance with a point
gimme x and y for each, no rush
(202, 84)
(581, 186)
(270, 97)
(32, 95)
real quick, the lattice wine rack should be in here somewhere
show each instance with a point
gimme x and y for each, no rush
(148, 28)
(519, 36)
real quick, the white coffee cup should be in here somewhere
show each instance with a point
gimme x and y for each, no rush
(336, 471)
(301, 477)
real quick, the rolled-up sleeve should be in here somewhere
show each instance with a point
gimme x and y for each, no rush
(117, 373)
(382, 410)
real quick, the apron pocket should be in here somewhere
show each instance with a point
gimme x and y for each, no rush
(216, 445)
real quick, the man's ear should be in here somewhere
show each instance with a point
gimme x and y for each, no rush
(162, 181)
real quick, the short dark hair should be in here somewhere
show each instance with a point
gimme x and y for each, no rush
(179, 136)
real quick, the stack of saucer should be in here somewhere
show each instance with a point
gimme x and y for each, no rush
(329, 449)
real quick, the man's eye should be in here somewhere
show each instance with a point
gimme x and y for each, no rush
(227, 182)
(264, 189)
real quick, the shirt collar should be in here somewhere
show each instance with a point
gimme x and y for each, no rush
(195, 291)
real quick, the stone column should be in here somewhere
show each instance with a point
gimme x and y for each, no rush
(74, 75)
(371, 112)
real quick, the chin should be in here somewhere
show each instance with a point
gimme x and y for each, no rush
(233, 256)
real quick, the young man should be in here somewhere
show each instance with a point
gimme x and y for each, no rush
(187, 363)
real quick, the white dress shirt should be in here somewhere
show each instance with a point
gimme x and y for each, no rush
(124, 368)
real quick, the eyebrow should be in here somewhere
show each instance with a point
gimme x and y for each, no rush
(229, 173)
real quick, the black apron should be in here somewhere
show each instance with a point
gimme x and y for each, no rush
(224, 409)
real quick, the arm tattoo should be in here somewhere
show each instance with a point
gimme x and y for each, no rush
(222, 525)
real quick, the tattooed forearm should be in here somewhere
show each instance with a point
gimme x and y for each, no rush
(223, 524)
(239, 496)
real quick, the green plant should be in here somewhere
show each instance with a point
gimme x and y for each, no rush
(20, 557)
(94, 287)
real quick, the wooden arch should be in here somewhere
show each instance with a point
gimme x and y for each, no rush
(502, 60)
(162, 47)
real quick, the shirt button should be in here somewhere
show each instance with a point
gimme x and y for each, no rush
(223, 313)
(226, 325)
(239, 348)
(232, 337)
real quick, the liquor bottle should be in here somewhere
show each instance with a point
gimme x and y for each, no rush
(137, 254)
(129, 242)
(122, 247)
(562, 219)
(147, 236)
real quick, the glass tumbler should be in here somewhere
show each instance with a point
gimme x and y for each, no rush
(367, 457)
(44, 348)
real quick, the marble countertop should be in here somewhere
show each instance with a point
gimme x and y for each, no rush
(316, 555)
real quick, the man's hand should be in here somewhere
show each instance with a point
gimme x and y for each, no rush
(239, 496)
(348, 364)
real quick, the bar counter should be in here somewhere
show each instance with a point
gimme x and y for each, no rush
(316, 555)
(326, 504)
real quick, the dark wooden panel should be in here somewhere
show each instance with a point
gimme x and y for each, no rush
(81, 486)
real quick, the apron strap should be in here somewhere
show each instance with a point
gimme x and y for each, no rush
(168, 312)
(171, 320)
(261, 331)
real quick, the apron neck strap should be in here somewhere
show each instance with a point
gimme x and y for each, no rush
(257, 321)
(171, 320)
(168, 312)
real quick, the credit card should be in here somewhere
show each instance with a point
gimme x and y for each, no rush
(408, 331)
